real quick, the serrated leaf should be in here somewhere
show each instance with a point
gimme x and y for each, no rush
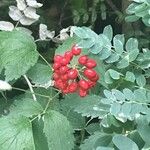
(40, 74)
(91, 106)
(95, 140)
(67, 45)
(19, 55)
(26, 107)
(58, 131)
(16, 133)
(130, 76)
(124, 143)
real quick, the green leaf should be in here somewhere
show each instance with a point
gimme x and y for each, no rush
(91, 106)
(108, 32)
(114, 74)
(93, 127)
(124, 143)
(26, 107)
(104, 148)
(115, 109)
(112, 58)
(95, 140)
(130, 76)
(104, 53)
(39, 136)
(132, 49)
(118, 45)
(40, 74)
(123, 63)
(129, 95)
(58, 131)
(108, 78)
(19, 55)
(141, 81)
(16, 134)
(143, 129)
(119, 95)
(67, 45)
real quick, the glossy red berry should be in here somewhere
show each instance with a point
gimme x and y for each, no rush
(63, 69)
(83, 60)
(56, 66)
(72, 87)
(64, 77)
(90, 73)
(68, 55)
(57, 58)
(76, 50)
(72, 74)
(56, 76)
(64, 61)
(91, 84)
(83, 84)
(82, 93)
(91, 63)
(96, 78)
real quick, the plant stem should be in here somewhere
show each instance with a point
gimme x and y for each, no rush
(30, 87)
(18, 89)
(46, 61)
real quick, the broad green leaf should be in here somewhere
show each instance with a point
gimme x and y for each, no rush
(91, 106)
(95, 140)
(17, 53)
(108, 32)
(124, 143)
(39, 136)
(67, 45)
(26, 107)
(40, 74)
(130, 76)
(58, 131)
(141, 81)
(16, 133)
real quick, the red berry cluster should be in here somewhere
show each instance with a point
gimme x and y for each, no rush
(71, 79)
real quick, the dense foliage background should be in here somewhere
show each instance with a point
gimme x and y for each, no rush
(34, 115)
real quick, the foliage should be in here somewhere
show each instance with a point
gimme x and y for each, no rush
(34, 115)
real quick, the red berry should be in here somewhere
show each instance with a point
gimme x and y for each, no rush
(90, 73)
(63, 69)
(83, 84)
(91, 63)
(66, 91)
(72, 74)
(56, 66)
(64, 61)
(72, 87)
(91, 84)
(82, 93)
(56, 76)
(76, 50)
(83, 60)
(96, 78)
(57, 58)
(64, 77)
(68, 55)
